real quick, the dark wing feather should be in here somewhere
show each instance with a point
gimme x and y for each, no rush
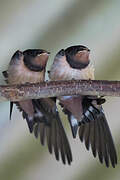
(95, 132)
(30, 121)
(5, 74)
(110, 145)
(53, 129)
(49, 138)
(36, 130)
(11, 108)
(64, 143)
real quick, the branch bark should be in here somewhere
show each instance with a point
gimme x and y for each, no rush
(59, 88)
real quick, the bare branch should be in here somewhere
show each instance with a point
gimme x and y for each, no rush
(59, 88)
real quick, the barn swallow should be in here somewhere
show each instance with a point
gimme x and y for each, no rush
(84, 112)
(41, 114)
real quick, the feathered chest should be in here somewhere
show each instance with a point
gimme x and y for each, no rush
(61, 70)
(18, 73)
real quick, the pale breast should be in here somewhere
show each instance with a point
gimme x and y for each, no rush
(19, 74)
(61, 70)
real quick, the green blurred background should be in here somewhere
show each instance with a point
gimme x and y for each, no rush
(53, 25)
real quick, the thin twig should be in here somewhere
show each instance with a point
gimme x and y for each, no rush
(59, 88)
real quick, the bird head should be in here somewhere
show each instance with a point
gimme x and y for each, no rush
(77, 56)
(35, 59)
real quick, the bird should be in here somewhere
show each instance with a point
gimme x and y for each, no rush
(85, 113)
(41, 115)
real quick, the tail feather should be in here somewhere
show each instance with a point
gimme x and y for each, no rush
(36, 130)
(42, 133)
(49, 139)
(81, 132)
(87, 137)
(55, 139)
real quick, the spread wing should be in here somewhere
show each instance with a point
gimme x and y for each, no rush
(95, 132)
(87, 115)
(49, 126)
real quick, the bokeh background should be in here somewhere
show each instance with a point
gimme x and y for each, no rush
(53, 25)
